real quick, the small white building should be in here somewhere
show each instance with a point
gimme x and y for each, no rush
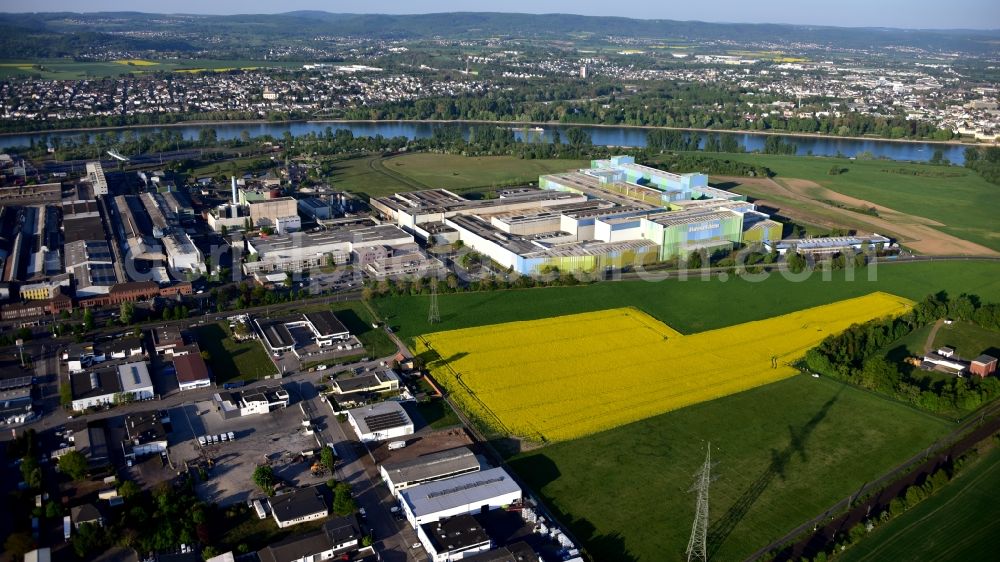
(135, 380)
(259, 400)
(298, 506)
(470, 493)
(378, 422)
(454, 538)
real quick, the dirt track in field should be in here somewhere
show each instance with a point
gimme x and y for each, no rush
(807, 201)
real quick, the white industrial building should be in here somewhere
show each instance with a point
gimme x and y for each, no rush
(182, 254)
(378, 422)
(146, 434)
(280, 214)
(470, 493)
(428, 468)
(304, 250)
(135, 380)
(454, 538)
(259, 400)
(104, 386)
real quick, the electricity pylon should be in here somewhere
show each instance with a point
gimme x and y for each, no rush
(697, 548)
(434, 315)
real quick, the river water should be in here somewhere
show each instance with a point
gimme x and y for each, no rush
(608, 136)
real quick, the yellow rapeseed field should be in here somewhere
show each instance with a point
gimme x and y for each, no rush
(570, 376)
(136, 62)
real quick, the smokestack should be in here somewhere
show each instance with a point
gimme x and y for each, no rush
(235, 198)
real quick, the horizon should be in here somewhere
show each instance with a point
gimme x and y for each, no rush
(962, 15)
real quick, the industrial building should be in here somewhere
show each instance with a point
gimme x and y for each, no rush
(454, 538)
(302, 251)
(258, 400)
(95, 175)
(280, 214)
(428, 468)
(105, 385)
(182, 255)
(380, 422)
(377, 381)
(614, 215)
(469, 493)
(828, 246)
(146, 434)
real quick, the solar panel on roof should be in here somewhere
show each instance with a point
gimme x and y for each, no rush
(463, 487)
(379, 422)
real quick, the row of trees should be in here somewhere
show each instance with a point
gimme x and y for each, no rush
(857, 355)
(986, 162)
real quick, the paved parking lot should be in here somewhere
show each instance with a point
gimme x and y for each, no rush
(277, 438)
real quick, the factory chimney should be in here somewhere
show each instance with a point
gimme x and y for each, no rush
(235, 198)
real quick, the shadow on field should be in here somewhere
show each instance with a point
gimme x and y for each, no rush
(719, 531)
(538, 470)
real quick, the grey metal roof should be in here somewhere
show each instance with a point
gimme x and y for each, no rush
(297, 503)
(433, 466)
(468, 489)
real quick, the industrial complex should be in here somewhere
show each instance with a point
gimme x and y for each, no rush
(615, 214)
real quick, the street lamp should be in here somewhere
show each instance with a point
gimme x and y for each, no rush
(20, 349)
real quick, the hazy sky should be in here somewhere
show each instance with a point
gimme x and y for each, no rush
(978, 14)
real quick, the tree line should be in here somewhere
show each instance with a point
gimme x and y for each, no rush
(858, 356)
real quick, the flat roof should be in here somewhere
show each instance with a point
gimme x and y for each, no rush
(276, 333)
(434, 465)
(95, 383)
(422, 444)
(455, 533)
(467, 489)
(379, 417)
(367, 380)
(675, 218)
(353, 234)
(326, 323)
(134, 376)
(984, 359)
(145, 427)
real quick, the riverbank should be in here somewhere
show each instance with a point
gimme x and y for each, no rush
(515, 124)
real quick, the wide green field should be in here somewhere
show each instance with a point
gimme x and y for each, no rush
(967, 339)
(452, 171)
(68, 69)
(955, 196)
(230, 360)
(376, 176)
(785, 452)
(959, 523)
(694, 305)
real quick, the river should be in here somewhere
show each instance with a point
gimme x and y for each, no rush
(607, 136)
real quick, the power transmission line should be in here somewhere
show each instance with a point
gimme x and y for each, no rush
(434, 315)
(697, 549)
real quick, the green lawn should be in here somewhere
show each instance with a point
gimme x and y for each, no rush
(358, 320)
(957, 197)
(438, 414)
(377, 177)
(452, 171)
(967, 339)
(362, 174)
(785, 453)
(959, 523)
(66, 69)
(693, 305)
(232, 361)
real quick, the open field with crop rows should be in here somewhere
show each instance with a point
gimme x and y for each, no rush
(570, 376)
